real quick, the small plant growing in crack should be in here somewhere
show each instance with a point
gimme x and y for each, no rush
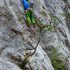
(55, 20)
(56, 61)
(22, 62)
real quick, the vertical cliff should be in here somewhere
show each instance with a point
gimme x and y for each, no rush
(45, 47)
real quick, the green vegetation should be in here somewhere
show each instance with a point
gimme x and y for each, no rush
(43, 13)
(50, 28)
(23, 63)
(55, 19)
(56, 61)
(42, 27)
(66, 14)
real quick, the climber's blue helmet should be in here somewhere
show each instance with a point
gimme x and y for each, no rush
(25, 4)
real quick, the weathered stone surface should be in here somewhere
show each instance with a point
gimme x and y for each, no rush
(18, 41)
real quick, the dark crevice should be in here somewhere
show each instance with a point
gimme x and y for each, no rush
(68, 23)
(63, 34)
(67, 43)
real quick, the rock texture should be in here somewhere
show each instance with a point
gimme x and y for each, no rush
(17, 41)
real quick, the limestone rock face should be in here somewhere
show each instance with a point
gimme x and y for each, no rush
(7, 65)
(17, 41)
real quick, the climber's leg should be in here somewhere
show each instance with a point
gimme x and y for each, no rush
(28, 18)
(32, 18)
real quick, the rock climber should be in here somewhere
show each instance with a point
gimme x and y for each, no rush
(28, 11)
